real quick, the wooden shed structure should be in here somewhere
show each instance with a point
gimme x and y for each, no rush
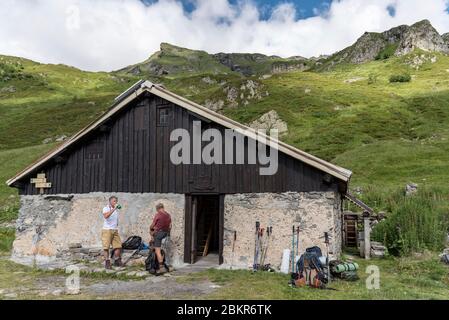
(127, 152)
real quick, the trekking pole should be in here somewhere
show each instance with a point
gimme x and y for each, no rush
(271, 235)
(293, 249)
(256, 244)
(233, 247)
(135, 252)
(264, 248)
(326, 241)
(261, 246)
(297, 246)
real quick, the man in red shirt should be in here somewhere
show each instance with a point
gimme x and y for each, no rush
(160, 229)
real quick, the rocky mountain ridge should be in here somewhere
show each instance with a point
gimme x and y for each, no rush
(173, 60)
(397, 41)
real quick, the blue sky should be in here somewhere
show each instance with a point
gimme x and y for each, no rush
(111, 34)
(305, 8)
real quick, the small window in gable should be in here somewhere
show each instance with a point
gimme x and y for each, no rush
(164, 115)
(95, 150)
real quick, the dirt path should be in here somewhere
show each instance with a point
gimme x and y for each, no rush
(157, 287)
(20, 282)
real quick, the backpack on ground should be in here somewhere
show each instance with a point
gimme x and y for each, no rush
(310, 271)
(152, 264)
(132, 243)
(315, 250)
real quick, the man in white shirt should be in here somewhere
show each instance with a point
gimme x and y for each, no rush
(109, 234)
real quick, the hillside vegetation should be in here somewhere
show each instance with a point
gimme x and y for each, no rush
(387, 133)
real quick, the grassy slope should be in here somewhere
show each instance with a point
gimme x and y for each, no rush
(51, 100)
(46, 101)
(388, 134)
(12, 161)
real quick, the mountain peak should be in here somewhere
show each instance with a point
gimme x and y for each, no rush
(400, 40)
(396, 41)
(422, 24)
(421, 35)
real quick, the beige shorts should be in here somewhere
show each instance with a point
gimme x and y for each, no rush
(110, 237)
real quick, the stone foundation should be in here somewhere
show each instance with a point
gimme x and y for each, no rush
(314, 212)
(48, 224)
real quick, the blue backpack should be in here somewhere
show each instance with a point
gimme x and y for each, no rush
(309, 267)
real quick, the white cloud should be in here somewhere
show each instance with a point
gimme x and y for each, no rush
(110, 34)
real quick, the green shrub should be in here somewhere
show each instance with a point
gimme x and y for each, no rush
(7, 236)
(414, 223)
(372, 78)
(401, 78)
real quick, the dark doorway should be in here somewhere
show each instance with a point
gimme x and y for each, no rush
(203, 234)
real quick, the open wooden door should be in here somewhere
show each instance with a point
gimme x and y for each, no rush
(203, 227)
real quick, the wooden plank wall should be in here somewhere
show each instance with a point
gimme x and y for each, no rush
(136, 159)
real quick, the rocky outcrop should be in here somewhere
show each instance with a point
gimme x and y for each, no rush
(270, 120)
(411, 189)
(421, 35)
(446, 39)
(298, 64)
(9, 89)
(250, 64)
(416, 61)
(365, 49)
(214, 105)
(397, 41)
(174, 60)
(446, 36)
(248, 91)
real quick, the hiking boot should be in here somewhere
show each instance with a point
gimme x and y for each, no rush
(118, 262)
(161, 270)
(107, 264)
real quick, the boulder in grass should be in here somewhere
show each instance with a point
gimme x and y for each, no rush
(378, 250)
(411, 189)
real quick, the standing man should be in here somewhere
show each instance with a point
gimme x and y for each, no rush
(109, 234)
(160, 229)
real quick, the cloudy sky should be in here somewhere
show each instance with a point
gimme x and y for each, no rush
(110, 34)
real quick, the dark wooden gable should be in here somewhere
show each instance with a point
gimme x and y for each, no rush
(130, 153)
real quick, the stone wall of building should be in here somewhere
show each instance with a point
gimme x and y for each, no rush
(314, 212)
(48, 224)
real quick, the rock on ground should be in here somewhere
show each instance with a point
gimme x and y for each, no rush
(411, 189)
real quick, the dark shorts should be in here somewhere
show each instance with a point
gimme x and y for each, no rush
(158, 237)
